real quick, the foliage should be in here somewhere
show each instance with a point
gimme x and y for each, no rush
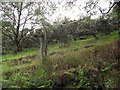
(28, 80)
(82, 78)
(116, 12)
(11, 23)
(105, 78)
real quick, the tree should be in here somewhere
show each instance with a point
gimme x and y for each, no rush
(116, 9)
(40, 19)
(14, 21)
(115, 6)
(41, 48)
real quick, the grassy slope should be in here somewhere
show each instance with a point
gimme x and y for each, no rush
(64, 58)
(68, 55)
(74, 44)
(82, 55)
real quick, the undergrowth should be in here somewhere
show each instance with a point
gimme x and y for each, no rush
(93, 67)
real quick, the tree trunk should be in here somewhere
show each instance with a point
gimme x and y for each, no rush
(74, 38)
(41, 49)
(119, 26)
(46, 42)
(94, 35)
(17, 46)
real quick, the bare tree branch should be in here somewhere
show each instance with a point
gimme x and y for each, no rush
(109, 8)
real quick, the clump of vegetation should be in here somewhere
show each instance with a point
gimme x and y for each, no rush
(28, 80)
(82, 78)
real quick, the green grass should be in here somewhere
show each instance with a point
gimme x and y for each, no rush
(7, 68)
(82, 43)
(29, 52)
(73, 45)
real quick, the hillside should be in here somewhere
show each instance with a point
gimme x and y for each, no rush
(87, 63)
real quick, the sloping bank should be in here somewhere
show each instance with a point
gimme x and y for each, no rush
(94, 67)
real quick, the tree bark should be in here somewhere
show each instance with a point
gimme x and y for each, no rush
(74, 38)
(41, 49)
(46, 42)
(94, 35)
(18, 46)
(18, 29)
(119, 26)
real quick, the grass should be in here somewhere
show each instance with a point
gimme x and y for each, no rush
(29, 52)
(60, 61)
(68, 55)
(73, 45)
(7, 68)
(12, 65)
